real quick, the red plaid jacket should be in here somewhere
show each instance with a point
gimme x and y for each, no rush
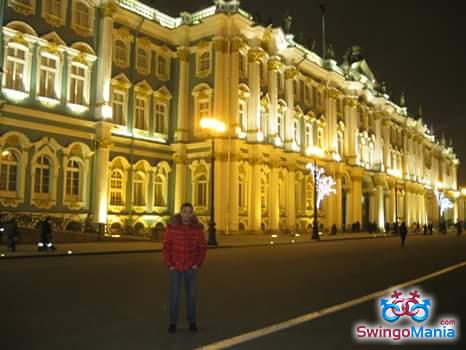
(184, 246)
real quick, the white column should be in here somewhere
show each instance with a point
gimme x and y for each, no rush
(291, 202)
(100, 179)
(181, 133)
(380, 208)
(290, 75)
(104, 63)
(254, 99)
(274, 206)
(273, 65)
(331, 114)
(352, 117)
(255, 210)
(234, 194)
(234, 86)
(219, 101)
(180, 181)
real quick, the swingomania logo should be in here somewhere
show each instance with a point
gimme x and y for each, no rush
(406, 317)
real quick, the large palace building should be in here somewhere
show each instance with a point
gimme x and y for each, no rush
(101, 103)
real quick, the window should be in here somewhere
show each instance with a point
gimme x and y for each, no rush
(340, 143)
(120, 54)
(8, 171)
(308, 95)
(160, 116)
(142, 61)
(25, 7)
(320, 138)
(204, 109)
(77, 83)
(54, 12)
(241, 62)
(140, 113)
(307, 136)
(15, 69)
(201, 191)
(296, 89)
(138, 190)
(42, 175)
(73, 180)
(55, 7)
(48, 76)
(263, 194)
(280, 124)
(204, 64)
(242, 116)
(116, 188)
(309, 194)
(82, 15)
(162, 71)
(295, 131)
(242, 192)
(159, 198)
(119, 107)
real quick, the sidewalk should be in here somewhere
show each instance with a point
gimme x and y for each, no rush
(224, 241)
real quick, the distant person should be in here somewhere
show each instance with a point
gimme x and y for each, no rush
(431, 229)
(403, 233)
(425, 229)
(184, 251)
(2, 228)
(12, 234)
(387, 227)
(459, 229)
(46, 240)
(358, 226)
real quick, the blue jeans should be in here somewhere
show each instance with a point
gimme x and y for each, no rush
(176, 278)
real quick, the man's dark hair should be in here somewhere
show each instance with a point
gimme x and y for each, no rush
(187, 204)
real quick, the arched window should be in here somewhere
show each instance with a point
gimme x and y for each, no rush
(8, 171)
(120, 54)
(42, 175)
(73, 180)
(201, 191)
(116, 188)
(242, 115)
(159, 196)
(139, 198)
(48, 75)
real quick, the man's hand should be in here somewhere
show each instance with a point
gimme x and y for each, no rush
(194, 267)
(171, 268)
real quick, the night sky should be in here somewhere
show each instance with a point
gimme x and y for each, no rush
(418, 47)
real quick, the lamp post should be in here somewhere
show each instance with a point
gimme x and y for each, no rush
(315, 227)
(213, 127)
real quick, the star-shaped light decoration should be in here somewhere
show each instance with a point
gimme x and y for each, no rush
(443, 202)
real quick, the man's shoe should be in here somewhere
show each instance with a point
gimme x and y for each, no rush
(193, 327)
(172, 328)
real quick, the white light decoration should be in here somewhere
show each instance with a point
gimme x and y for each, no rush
(443, 202)
(324, 183)
(213, 125)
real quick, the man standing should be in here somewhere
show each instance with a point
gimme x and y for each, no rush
(403, 233)
(184, 251)
(46, 235)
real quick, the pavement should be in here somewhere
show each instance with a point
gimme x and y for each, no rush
(124, 247)
(120, 301)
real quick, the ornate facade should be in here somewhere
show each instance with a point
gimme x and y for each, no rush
(100, 111)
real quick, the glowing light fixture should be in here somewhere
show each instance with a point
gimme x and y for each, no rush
(316, 151)
(213, 125)
(107, 111)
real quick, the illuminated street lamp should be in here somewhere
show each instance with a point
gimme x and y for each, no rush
(323, 186)
(213, 127)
